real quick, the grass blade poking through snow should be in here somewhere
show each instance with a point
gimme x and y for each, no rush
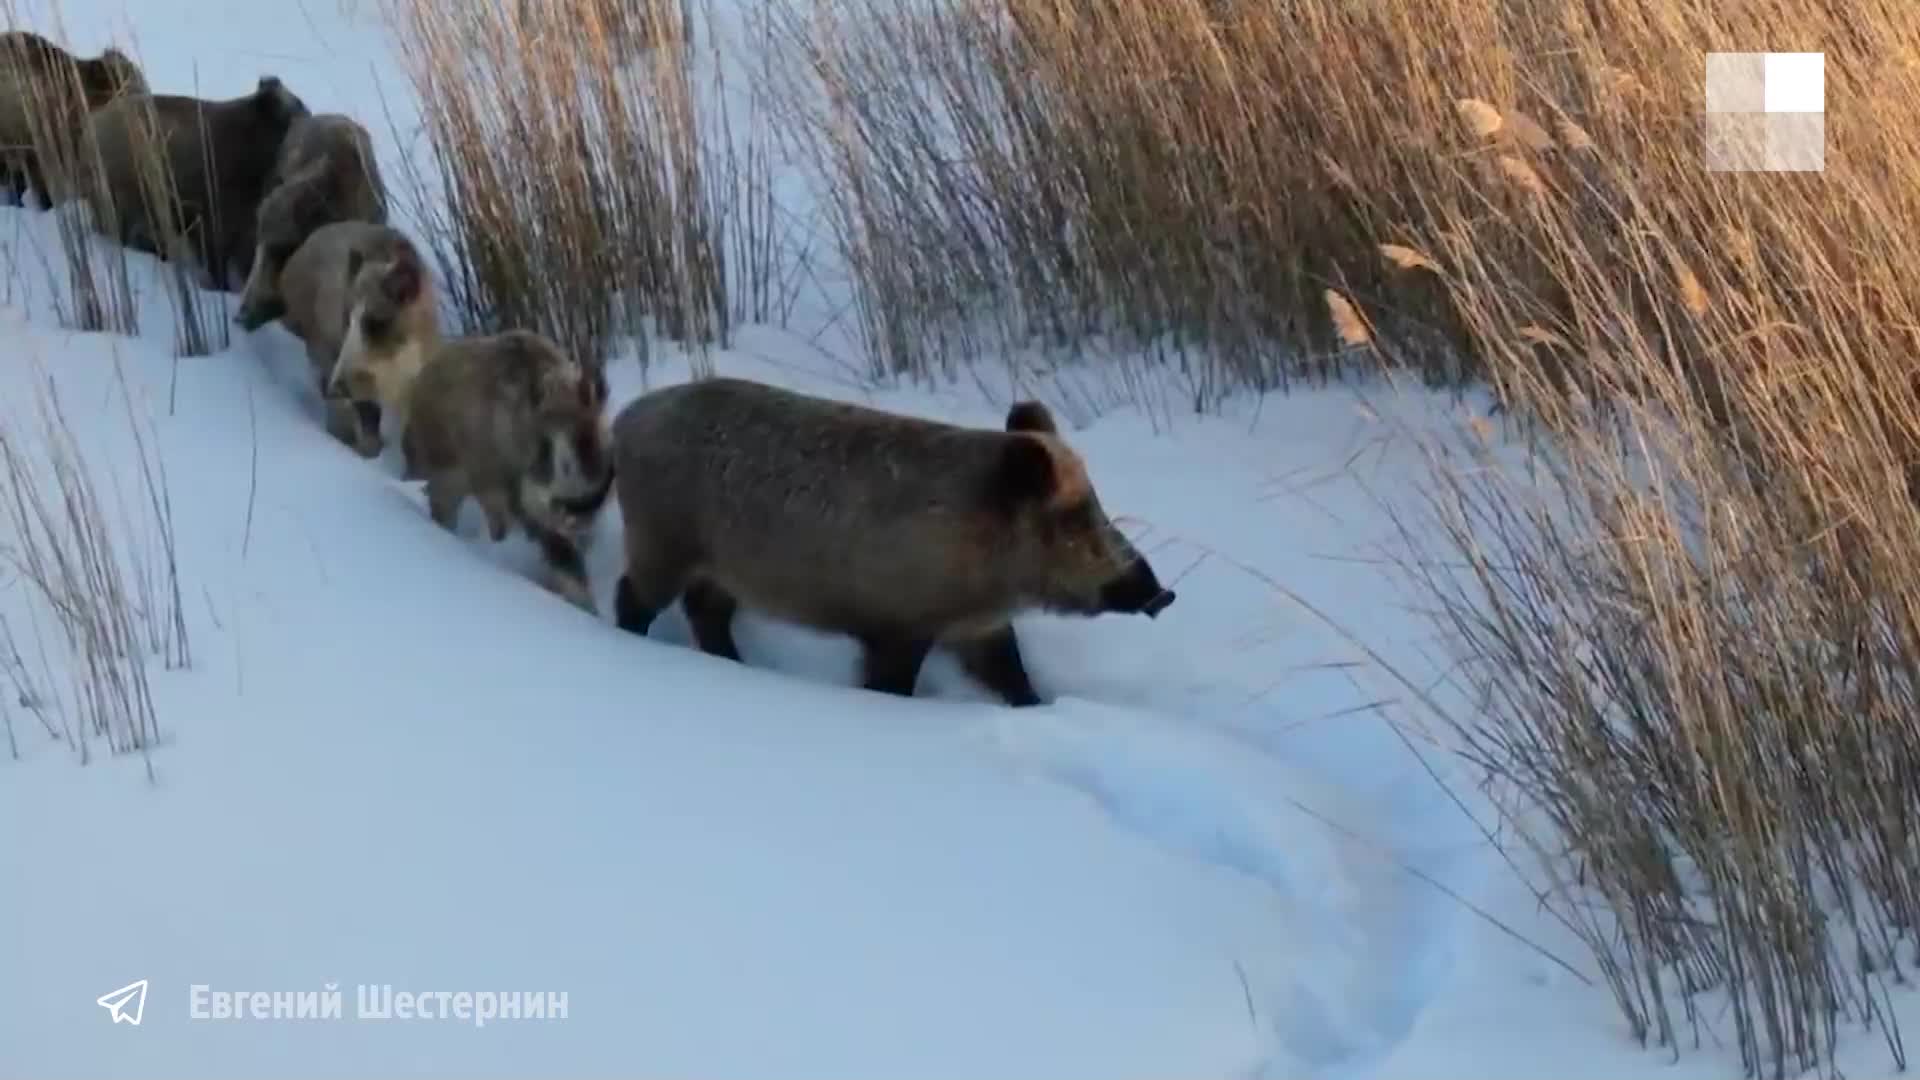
(200, 326)
(96, 293)
(110, 587)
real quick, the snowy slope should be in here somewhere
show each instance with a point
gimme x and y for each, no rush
(396, 761)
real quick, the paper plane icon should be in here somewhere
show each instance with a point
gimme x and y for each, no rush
(128, 1003)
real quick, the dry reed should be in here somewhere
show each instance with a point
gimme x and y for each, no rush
(577, 183)
(1698, 670)
(104, 576)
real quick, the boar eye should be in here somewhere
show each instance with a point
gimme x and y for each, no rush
(1076, 528)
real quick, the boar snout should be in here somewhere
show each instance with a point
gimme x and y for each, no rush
(1136, 592)
(255, 313)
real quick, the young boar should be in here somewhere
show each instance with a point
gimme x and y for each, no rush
(220, 155)
(511, 420)
(360, 298)
(901, 532)
(326, 173)
(46, 87)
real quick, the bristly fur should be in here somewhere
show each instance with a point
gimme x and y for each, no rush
(392, 326)
(1031, 416)
(588, 503)
(39, 77)
(899, 531)
(220, 155)
(325, 173)
(338, 294)
(513, 421)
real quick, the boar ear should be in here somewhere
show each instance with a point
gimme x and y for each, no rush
(401, 282)
(1025, 474)
(548, 384)
(1031, 416)
(354, 262)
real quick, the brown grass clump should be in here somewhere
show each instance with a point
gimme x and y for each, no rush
(1694, 655)
(626, 26)
(1183, 175)
(200, 328)
(1697, 665)
(103, 595)
(577, 186)
(97, 293)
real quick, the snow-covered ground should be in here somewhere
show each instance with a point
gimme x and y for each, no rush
(396, 761)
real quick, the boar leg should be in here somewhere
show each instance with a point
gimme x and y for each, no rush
(216, 253)
(995, 661)
(710, 609)
(13, 178)
(566, 566)
(346, 424)
(502, 510)
(893, 663)
(35, 177)
(652, 580)
(412, 462)
(445, 492)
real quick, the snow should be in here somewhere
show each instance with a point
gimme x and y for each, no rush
(396, 760)
(1221, 851)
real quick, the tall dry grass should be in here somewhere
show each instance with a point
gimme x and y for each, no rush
(1189, 175)
(200, 326)
(90, 553)
(1179, 176)
(103, 597)
(579, 181)
(91, 282)
(1694, 652)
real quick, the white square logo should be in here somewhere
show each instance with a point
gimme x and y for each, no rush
(1766, 112)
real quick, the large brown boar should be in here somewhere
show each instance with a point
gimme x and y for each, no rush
(902, 532)
(45, 87)
(220, 156)
(326, 173)
(360, 298)
(513, 421)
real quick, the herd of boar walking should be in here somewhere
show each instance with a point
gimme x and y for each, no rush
(901, 532)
